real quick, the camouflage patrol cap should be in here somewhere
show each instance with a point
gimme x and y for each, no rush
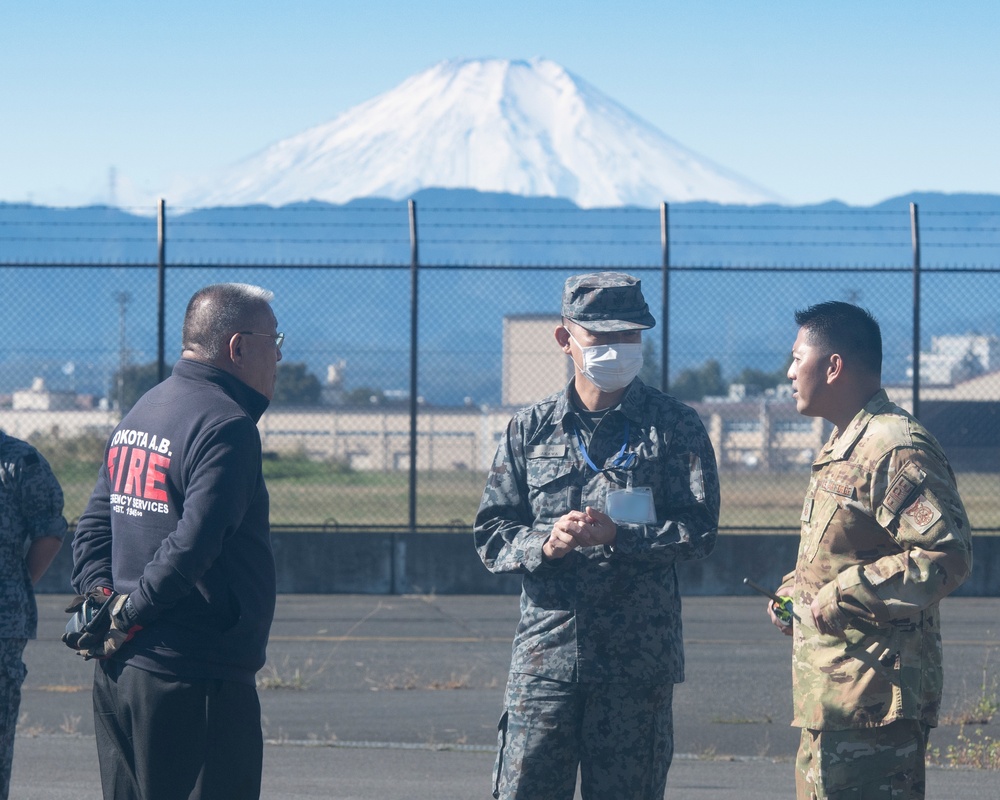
(606, 301)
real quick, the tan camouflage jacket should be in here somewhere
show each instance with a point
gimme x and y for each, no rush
(884, 536)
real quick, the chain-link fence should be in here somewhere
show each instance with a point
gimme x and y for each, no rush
(414, 330)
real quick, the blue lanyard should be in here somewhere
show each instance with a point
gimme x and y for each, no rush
(622, 461)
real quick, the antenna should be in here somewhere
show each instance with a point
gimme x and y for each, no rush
(112, 187)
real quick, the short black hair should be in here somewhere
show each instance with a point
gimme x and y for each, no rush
(846, 329)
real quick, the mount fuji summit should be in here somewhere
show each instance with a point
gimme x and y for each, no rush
(525, 128)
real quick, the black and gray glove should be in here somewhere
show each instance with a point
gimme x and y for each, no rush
(102, 622)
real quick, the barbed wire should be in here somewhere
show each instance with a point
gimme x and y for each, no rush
(297, 209)
(78, 239)
(189, 224)
(81, 224)
(520, 233)
(575, 210)
(504, 266)
(274, 240)
(474, 242)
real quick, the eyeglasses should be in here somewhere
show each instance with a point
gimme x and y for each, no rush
(277, 338)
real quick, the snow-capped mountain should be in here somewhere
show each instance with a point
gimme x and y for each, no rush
(519, 127)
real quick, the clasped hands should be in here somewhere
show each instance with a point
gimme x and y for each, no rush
(100, 625)
(588, 528)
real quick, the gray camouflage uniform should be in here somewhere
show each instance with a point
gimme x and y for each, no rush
(606, 620)
(31, 506)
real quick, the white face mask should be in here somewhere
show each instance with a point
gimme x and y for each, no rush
(610, 367)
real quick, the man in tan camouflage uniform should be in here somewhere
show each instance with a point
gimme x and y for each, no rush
(32, 528)
(595, 493)
(884, 537)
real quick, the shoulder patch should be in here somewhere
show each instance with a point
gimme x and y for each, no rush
(807, 510)
(921, 514)
(906, 482)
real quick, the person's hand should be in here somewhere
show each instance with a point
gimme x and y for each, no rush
(91, 619)
(827, 615)
(784, 627)
(103, 621)
(575, 529)
(562, 539)
(123, 626)
(600, 528)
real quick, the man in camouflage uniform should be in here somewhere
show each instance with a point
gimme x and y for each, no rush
(884, 538)
(32, 528)
(598, 646)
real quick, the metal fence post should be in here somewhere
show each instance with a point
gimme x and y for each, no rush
(414, 313)
(915, 240)
(665, 298)
(161, 290)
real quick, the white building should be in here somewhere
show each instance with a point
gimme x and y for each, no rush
(533, 365)
(38, 398)
(954, 359)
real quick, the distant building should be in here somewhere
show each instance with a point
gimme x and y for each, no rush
(749, 431)
(332, 392)
(533, 366)
(762, 433)
(38, 398)
(955, 359)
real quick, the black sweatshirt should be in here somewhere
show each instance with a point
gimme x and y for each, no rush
(179, 520)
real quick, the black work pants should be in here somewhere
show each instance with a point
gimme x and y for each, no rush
(160, 738)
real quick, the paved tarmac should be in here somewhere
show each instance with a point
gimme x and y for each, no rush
(369, 697)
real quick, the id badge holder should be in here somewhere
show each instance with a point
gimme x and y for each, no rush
(632, 505)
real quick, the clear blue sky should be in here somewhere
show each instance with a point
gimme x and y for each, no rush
(858, 101)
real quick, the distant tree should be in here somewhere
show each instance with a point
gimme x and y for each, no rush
(760, 379)
(367, 396)
(296, 386)
(695, 384)
(363, 396)
(650, 372)
(136, 380)
(970, 366)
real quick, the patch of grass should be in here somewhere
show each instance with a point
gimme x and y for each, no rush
(983, 708)
(708, 754)
(27, 728)
(70, 724)
(975, 750)
(284, 676)
(306, 491)
(409, 680)
(270, 678)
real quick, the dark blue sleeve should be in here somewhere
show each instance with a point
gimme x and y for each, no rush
(92, 541)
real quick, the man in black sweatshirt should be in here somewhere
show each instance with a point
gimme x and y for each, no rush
(176, 537)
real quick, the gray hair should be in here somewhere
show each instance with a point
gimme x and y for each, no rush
(218, 311)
